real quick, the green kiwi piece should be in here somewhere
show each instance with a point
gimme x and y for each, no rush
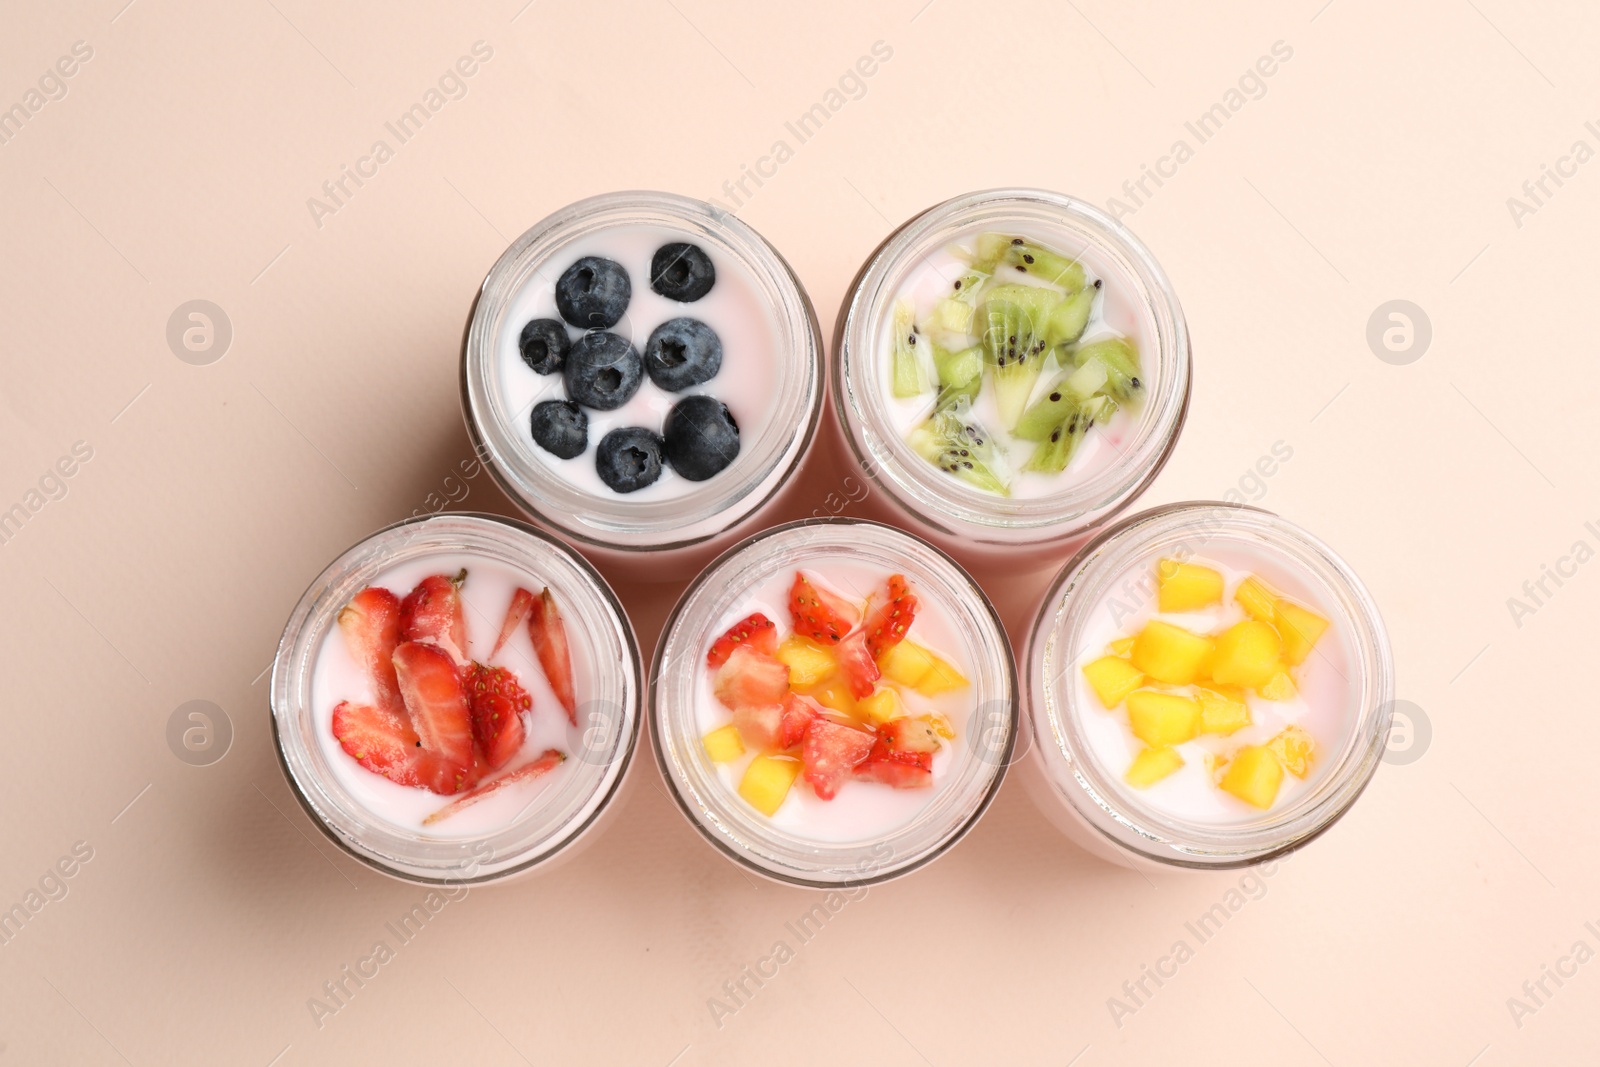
(1014, 348)
(991, 249)
(1054, 452)
(1067, 394)
(958, 444)
(1025, 257)
(1067, 322)
(1121, 362)
(908, 371)
(958, 368)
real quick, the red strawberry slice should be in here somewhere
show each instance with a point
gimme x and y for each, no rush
(887, 626)
(829, 752)
(431, 687)
(497, 701)
(432, 612)
(549, 761)
(818, 614)
(903, 770)
(798, 711)
(521, 604)
(910, 735)
(384, 743)
(750, 677)
(370, 624)
(759, 726)
(549, 635)
(860, 670)
(756, 631)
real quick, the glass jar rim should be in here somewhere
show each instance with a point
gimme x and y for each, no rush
(1075, 775)
(715, 505)
(592, 613)
(717, 813)
(942, 502)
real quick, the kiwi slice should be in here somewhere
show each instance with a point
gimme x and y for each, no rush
(1067, 395)
(960, 375)
(953, 313)
(958, 444)
(1055, 451)
(1014, 347)
(908, 372)
(991, 248)
(1067, 322)
(1025, 257)
(1121, 362)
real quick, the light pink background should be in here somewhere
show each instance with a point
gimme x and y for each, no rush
(1373, 164)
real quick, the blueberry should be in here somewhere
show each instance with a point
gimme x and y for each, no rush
(682, 353)
(701, 437)
(561, 428)
(544, 345)
(629, 458)
(593, 293)
(603, 371)
(682, 272)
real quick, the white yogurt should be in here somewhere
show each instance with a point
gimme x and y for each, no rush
(1322, 707)
(1111, 316)
(733, 308)
(862, 811)
(485, 596)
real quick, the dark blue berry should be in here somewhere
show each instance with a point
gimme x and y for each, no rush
(593, 293)
(682, 272)
(682, 353)
(701, 437)
(544, 345)
(603, 371)
(561, 428)
(629, 458)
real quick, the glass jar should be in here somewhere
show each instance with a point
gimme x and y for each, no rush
(343, 798)
(978, 526)
(1111, 580)
(645, 530)
(910, 832)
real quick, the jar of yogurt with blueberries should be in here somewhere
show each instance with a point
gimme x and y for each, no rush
(642, 372)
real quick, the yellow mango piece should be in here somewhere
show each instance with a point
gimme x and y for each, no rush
(1257, 599)
(1187, 586)
(1222, 711)
(884, 704)
(1216, 766)
(834, 694)
(906, 663)
(808, 662)
(1254, 775)
(1170, 653)
(1248, 654)
(767, 780)
(942, 677)
(1112, 679)
(1279, 687)
(941, 724)
(723, 744)
(1151, 765)
(1163, 718)
(1295, 749)
(1299, 629)
(1121, 646)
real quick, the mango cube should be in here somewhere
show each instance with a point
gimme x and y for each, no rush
(1279, 687)
(1187, 586)
(1121, 646)
(723, 744)
(1256, 598)
(1151, 765)
(1112, 679)
(1170, 653)
(767, 780)
(1248, 654)
(808, 662)
(1161, 719)
(835, 695)
(1222, 711)
(942, 677)
(1299, 629)
(881, 706)
(906, 663)
(1294, 749)
(1254, 775)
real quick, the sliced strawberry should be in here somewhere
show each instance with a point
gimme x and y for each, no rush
(370, 624)
(887, 626)
(910, 735)
(496, 700)
(760, 726)
(431, 687)
(860, 670)
(818, 614)
(521, 604)
(829, 752)
(903, 770)
(384, 743)
(756, 631)
(798, 711)
(750, 677)
(432, 612)
(549, 635)
(549, 761)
